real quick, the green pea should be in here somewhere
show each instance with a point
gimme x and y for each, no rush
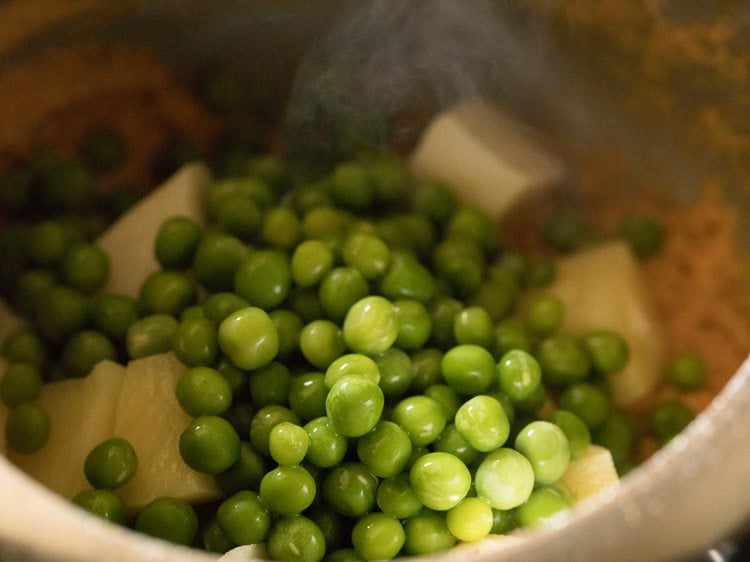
(287, 490)
(352, 364)
(511, 334)
(288, 443)
(451, 441)
(25, 346)
(104, 504)
(503, 521)
(482, 421)
(263, 279)
(470, 519)
(395, 497)
(85, 267)
(519, 374)
(473, 325)
(150, 335)
(567, 230)
(367, 253)
(543, 504)
(264, 420)
(215, 260)
(426, 366)
(239, 215)
(270, 384)
(546, 447)
(354, 405)
(443, 311)
(407, 278)
(176, 242)
(468, 368)
(669, 418)
(574, 429)
(378, 536)
(203, 391)
(27, 427)
(351, 186)
(84, 350)
(385, 450)
(167, 292)
(327, 447)
(21, 382)
(619, 434)
(461, 264)
(113, 314)
(544, 315)
(111, 464)
(687, 372)
(31, 287)
(396, 372)
(307, 395)
(644, 234)
(209, 444)
(196, 342)
(244, 474)
(289, 326)
(248, 337)
(321, 342)
(47, 242)
(586, 401)
(310, 262)
(498, 296)
(214, 539)
(440, 480)
(296, 539)
(422, 418)
(61, 313)
(426, 533)
(446, 397)
(608, 350)
(563, 360)
(435, 199)
(414, 324)
(505, 478)
(350, 489)
(170, 519)
(244, 518)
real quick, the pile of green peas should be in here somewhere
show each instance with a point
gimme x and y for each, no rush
(371, 372)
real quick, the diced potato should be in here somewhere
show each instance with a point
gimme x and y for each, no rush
(589, 474)
(246, 553)
(129, 241)
(603, 287)
(490, 158)
(150, 418)
(81, 414)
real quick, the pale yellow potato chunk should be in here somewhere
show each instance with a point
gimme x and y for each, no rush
(604, 288)
(489, 157)
(589, 474)
(81, 415)
(148, 415)
(129, 242)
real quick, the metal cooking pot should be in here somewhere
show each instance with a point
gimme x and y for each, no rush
(690, 494)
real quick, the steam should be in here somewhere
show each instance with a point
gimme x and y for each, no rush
(384, 58)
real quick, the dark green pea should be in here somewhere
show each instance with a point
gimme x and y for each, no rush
(196, 342)
(586, 401)
(85, 267)
(281, 228)
(248, 338)
(32, 287)
(644, 234)
(563, 360)
(385, 450)
(27, 427)
(113, 314)
(443, 311)
(512, 334)
(296, 539)
(619, 434)
(263, 279)
(247, 185)
(567, 230)
(498, 296)
(669, 418)
(65, 185)
(304, 302)
(448, 398)
(367, 253)
(434, 199)
(84, 350)
(350, 489)
(687, 372)
(310, 262)
(270, 384)
(378, 536)
(544, 314)
(412, 232)
(396, 497)
(25, 346)
(608, 350)
(461, 264)
(150, 335)
(215, 260)
(414, 324)
(423, 418)
(244, 518)
(426, 366)
(289, 326)
(16, 189)
(214, 539)
(321, 342)
(541, 273)
(451, 441)
(287, 490)
(427, 532)
(238, 215)
(245, 473)
(170, 519)
(396, 372)
(174, 152)
(407, 278)
(203, 391)
(167, 292)
(503, 521)
(265, 419)
(176, 242)
(209, 444)
(21, 382)
(340, 289)
(307, 395)
(111, 464)
(351, 186)
(104, 504)
(575, 430)
(335, 527)
(63, 312)
(473, 325)
(468, 369)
